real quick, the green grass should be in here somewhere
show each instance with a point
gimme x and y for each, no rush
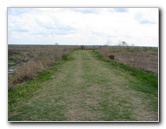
(26, 90)
(148, 79)
(20, 93)
(121, 111)
(66, 56)
(114, 108)
(85, 87)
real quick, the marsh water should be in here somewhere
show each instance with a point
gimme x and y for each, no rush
(11, 68)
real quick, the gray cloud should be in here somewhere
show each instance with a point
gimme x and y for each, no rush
(121, 10)
(146, 21)
(19, 11)
(142, 19)
(54, 28)
(86, 10)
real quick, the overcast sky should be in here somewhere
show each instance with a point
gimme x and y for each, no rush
(83, 26)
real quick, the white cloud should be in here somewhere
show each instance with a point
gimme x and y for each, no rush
(147, 16)
(93, 26)
(121, 10)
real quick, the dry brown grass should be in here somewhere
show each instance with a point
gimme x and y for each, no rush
(31, 60)
(143, 60)
(28, 70)
(138, 57)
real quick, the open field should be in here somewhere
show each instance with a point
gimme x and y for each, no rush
(145, 58)
(86, 87)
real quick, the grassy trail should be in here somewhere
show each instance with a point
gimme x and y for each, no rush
(87, 89)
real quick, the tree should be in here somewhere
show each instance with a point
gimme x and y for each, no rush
(123, 43)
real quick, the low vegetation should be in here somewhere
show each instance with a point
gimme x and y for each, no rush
(146, 76)
(144, 58)
(59, 84)
(30, 60)
(25, 62)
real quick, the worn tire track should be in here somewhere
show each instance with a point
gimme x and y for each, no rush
(87, 89)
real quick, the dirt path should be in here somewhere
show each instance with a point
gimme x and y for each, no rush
(87, 89)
